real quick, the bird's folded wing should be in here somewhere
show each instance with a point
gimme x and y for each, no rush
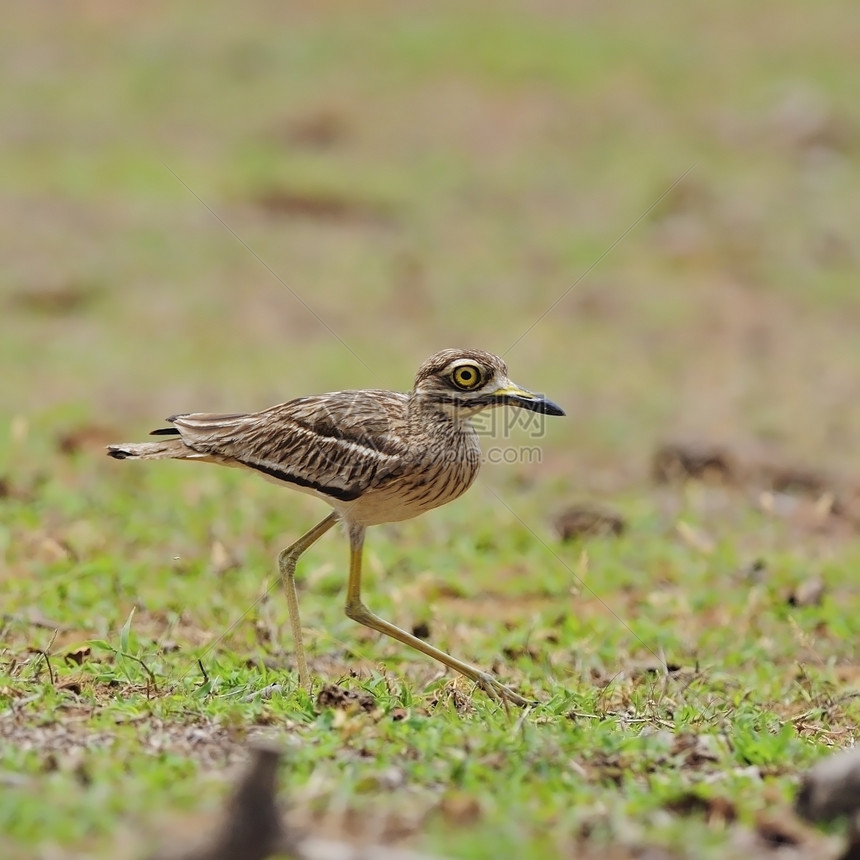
(338, 444)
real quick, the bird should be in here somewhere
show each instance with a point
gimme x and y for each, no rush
(375, 456)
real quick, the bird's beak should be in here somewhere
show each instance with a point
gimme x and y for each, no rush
(513, 395)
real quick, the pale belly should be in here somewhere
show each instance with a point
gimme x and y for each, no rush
(409, 496)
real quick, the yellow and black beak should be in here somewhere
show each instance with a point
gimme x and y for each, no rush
(513, 395)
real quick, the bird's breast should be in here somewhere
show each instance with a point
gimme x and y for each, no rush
(435, 473)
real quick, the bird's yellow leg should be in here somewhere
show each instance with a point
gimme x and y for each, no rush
(287, 560)
(356, 610)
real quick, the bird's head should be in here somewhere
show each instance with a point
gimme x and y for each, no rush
(463, 382)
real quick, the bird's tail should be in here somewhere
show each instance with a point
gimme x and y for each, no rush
(171, 449)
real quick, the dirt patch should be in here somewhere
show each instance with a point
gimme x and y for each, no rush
(58, 299)
(674, 462)
(588, 520)
(284, 203)
(715, 810)
(811, 499)
(323, 128)
(339, 698)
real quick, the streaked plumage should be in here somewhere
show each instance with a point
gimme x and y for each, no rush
(374, 456)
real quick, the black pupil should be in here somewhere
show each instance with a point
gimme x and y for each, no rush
(466, 376)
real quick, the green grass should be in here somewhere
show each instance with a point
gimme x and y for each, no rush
(476, 161)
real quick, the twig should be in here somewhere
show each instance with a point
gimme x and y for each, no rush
(47, 663)
(145, 669)
(44, 654)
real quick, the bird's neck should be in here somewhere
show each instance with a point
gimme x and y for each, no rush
(424, 412)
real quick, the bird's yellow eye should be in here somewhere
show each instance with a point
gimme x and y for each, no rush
(467, 376)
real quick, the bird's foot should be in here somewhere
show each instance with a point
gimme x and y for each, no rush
(498, 691)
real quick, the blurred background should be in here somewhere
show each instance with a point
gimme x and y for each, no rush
(650, 210)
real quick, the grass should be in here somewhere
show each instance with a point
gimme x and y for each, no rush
(393, 181)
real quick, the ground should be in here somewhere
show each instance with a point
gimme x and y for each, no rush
(649, 211)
